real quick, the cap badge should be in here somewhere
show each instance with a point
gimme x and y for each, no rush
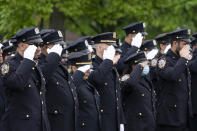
(37, 31)
(60, 33)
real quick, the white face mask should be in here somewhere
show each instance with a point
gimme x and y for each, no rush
(146, 70)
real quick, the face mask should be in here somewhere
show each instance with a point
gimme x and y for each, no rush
(145, 70)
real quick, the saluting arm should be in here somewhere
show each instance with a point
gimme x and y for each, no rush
(18, 80)
(172, 73)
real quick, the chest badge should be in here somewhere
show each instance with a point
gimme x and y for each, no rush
(162, 63)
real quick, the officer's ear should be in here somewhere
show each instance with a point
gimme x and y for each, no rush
(174, 43)
(74, 68)
(22, 46)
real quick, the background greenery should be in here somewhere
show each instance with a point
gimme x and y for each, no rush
(89, 17)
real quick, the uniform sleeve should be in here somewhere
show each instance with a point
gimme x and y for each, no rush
(172, 72)
(18, 79)
(98, 75)
(121, 65)
(50, 65)
(78, 77)
(193, 65)
(134, 77)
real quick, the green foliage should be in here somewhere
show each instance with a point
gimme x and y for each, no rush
(89, 17)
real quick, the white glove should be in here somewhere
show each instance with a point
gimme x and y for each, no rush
(0, 45)
(167, 48)
(152, 54)
(121, 127)
(30, 52)
(109, 53)
(84, 68)
(56, 49)
(137, 40)
(90, 48)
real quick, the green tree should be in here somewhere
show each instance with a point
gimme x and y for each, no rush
(89, 17)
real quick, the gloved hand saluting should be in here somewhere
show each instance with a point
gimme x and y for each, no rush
(30, 52)
(109, 53)
(56, 49)
(137, 40)
(167, 48)
(84, 68)
(151, 54)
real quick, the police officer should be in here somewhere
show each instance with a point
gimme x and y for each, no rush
(163, 45)
(61, 97)
(43, 54)
(106, 80)
(135, 35)
(148, 46)
(163, 42)
(8, 50)
(25, 107)
(174, 109)
(89, 114)
(80, 45)
(2, 96)
(193, 69)
(138, 95)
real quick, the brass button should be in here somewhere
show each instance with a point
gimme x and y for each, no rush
(142, 94)
(116, 91)
(117, 107)
(42, 112)
(75, 98)
(29, 86)
(27, 116)
(101, 110)
(180, 80)
(117, 99)
(83, 124)
(69, 82)
(72, 90)
(175, 106)
(33, 68)
(84, 101)
(41, 93)
(140, 114)
(55, 112)
(106, 83)
(57, 83)
(42, 102)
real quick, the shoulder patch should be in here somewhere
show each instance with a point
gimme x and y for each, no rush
(5, 68)
(153, 62)
(162, 63)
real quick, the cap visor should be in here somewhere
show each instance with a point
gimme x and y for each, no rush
(186, 40)
(38, 40)
(60, 42)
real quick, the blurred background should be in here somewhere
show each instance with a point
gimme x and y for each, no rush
(76, 18)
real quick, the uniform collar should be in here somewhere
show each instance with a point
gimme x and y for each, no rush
(98, 59)
(18, 56)
(173, 55)
(126, 44)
